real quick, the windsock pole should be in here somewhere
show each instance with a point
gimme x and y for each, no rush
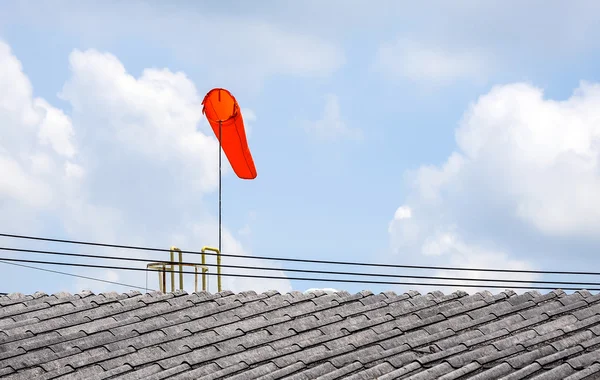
(220, 154)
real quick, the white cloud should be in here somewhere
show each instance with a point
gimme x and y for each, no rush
(129, 165)
(406, 59)
(403, 212)
(32, 174)
(247, 50)
(56, 130)
(331, 126)
(525, 176)
(154, 116)
(541, 156)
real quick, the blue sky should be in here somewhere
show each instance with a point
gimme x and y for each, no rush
(465, 136)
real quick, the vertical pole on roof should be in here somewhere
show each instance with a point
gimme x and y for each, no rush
(204, 272)
(164, 278)
(180, 270)
(172, 257)
(220, 147)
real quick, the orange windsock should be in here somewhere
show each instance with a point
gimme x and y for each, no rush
(220, 105)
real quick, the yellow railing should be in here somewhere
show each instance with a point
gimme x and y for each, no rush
(215, 250)
(170, 267)
(162, 275)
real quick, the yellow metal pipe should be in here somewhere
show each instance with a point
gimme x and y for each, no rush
(171, 269)
(164, 267)
(161, 274)
(175, 249)
(203, 274)
(159, 279)
(219, 271)
(215, 250)
(180, 270)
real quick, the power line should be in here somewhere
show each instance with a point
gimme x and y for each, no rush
(293, 278)
(137, 259)
(75, 275)
(302, 260)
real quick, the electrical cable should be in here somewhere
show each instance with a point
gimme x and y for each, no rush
(135, 259)
(76, 275)
(302, 260)
(292, 278)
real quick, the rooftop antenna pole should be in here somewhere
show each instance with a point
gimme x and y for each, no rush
(220, 154)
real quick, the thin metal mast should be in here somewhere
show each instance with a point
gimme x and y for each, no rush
(220, 146)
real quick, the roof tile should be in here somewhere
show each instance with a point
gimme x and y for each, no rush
(557, 373)
(256, 372)
(552, 325)
(400, 372)
(281, 373)
(523, 372)
(575, 297)
(432, 373)
(167, 373)
(397, 358)
(372, 373)
(470, 356)
(317, 335)
(339, 373)
(312, 373)
(434, 357)
(460, 372)
(500, 323)
(542, 338)
(570, 307)
(494, 373)
(33, 373)
(529, 357)
(225, 371)
(486, 338)
(501, 354)
(363, 355)
(584, 360)
(197, 373)
(457, 339)
(588, 373)
(533, 321)
(513, 339)
(572, 340)
(114, 372)
(559, 355)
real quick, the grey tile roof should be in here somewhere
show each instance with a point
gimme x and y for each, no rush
(300, 336)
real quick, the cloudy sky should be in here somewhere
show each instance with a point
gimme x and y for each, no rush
(451, 135)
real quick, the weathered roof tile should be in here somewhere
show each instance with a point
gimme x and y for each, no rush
(529, 357)
(460, 372)
(556, 373)
(523, 372)
(590, 372)
(305, 336)
(494, 373)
